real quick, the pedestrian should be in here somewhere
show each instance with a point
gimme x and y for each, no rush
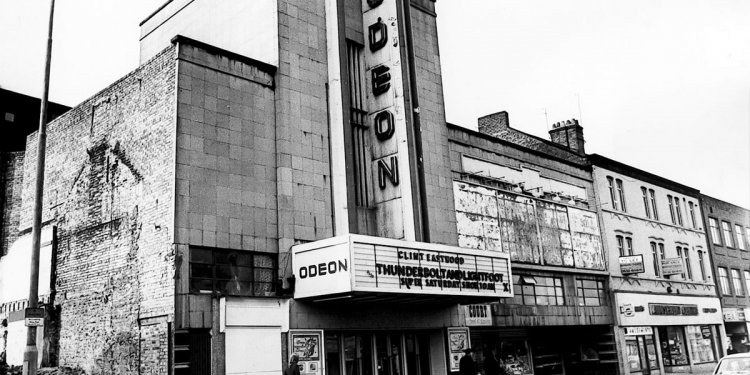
(490, 364)
(466, 365)
(293, 368)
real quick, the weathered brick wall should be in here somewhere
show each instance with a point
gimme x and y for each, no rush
(498, 126)
(436, 155)
(12, 179)
(108, 185)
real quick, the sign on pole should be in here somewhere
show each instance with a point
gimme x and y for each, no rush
(34, 317)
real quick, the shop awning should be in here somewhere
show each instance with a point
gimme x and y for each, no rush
(364, 268)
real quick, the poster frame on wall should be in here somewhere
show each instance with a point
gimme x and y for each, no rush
(314, 363)
(459, 339)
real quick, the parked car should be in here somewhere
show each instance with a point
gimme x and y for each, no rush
(733, 364)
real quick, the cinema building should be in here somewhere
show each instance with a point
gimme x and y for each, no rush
(668, 317)
(273, 179)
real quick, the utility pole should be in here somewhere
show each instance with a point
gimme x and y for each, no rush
(31, 355)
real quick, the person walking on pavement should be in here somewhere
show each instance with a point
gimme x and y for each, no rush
(466, 365)
(293, 368)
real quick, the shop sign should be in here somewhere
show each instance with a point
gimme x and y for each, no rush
(627, 310)
(671, 266)
(355, 263)
(632, 264)
(478, 315)
(637, 331)
(672, 309)
(307, 345)
(734, 315)
(458, 341)
(387, 121)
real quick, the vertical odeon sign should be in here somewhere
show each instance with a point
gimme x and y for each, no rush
(387, 116)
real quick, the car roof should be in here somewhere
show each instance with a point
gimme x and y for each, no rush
(737, 355)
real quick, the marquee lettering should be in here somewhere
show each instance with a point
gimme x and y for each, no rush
(389, 172)
(378, 35)
(322, 269)
(381, 79)
(384, 127)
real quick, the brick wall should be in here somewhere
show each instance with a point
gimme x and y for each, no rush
(11, 167)
(498, 126)
(108, 184)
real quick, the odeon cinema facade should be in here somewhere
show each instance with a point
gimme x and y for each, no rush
(383, 296)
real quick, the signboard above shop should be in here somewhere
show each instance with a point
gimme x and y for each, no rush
(355, 265)
(671, 266)
(632, 264)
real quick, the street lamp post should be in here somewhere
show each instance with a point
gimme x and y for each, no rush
(31, 355)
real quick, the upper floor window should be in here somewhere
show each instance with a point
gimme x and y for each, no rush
(646, 208)
(612, 193)
(621, 195)
(590, 292)
(737, 283)
(727, 230)
(724, 281)
(678, 210)
(738, 234)
(671, 209)
(713, 226)
(233, 273)
(652, 194)
(692, 215)
(538, 290)
(688, 266)
(656, 258)
(624, 245)
(702, 265)
(747, 280)
(681, 255)
(747, 235)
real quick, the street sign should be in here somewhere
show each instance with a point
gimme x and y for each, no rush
(34, 317)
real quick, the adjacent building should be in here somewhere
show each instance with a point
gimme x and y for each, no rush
(534, 200)
(728, 230)
(667, 316)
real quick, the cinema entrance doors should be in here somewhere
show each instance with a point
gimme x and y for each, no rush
(377, 353)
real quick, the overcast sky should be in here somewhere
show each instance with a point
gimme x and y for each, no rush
(661, 85)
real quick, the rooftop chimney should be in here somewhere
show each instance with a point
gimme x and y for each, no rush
(494, 124)
(569, 134)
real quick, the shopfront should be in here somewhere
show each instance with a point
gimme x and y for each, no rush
(668, 334)
(737, 327)
(376, 306)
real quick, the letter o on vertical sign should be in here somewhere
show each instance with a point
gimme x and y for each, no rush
(383, 124)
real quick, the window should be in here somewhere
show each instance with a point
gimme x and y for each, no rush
(612, 195)
(621, 194)
(672, 343)
(738, 234)
(727, 230)
(656, 258)
(678, 210)
(234, 273)
(701, 342)
(713, 226)
(644, 191)
(682, 259)
(590, 292)
(692, 215)
(671, 209)
(538, 290)
(624, 245)
(641, 352)
(737, 283)
(747, 280)
(652, 193)
(688, 266)
(747, 235)
(702, 265)
(724, 281)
